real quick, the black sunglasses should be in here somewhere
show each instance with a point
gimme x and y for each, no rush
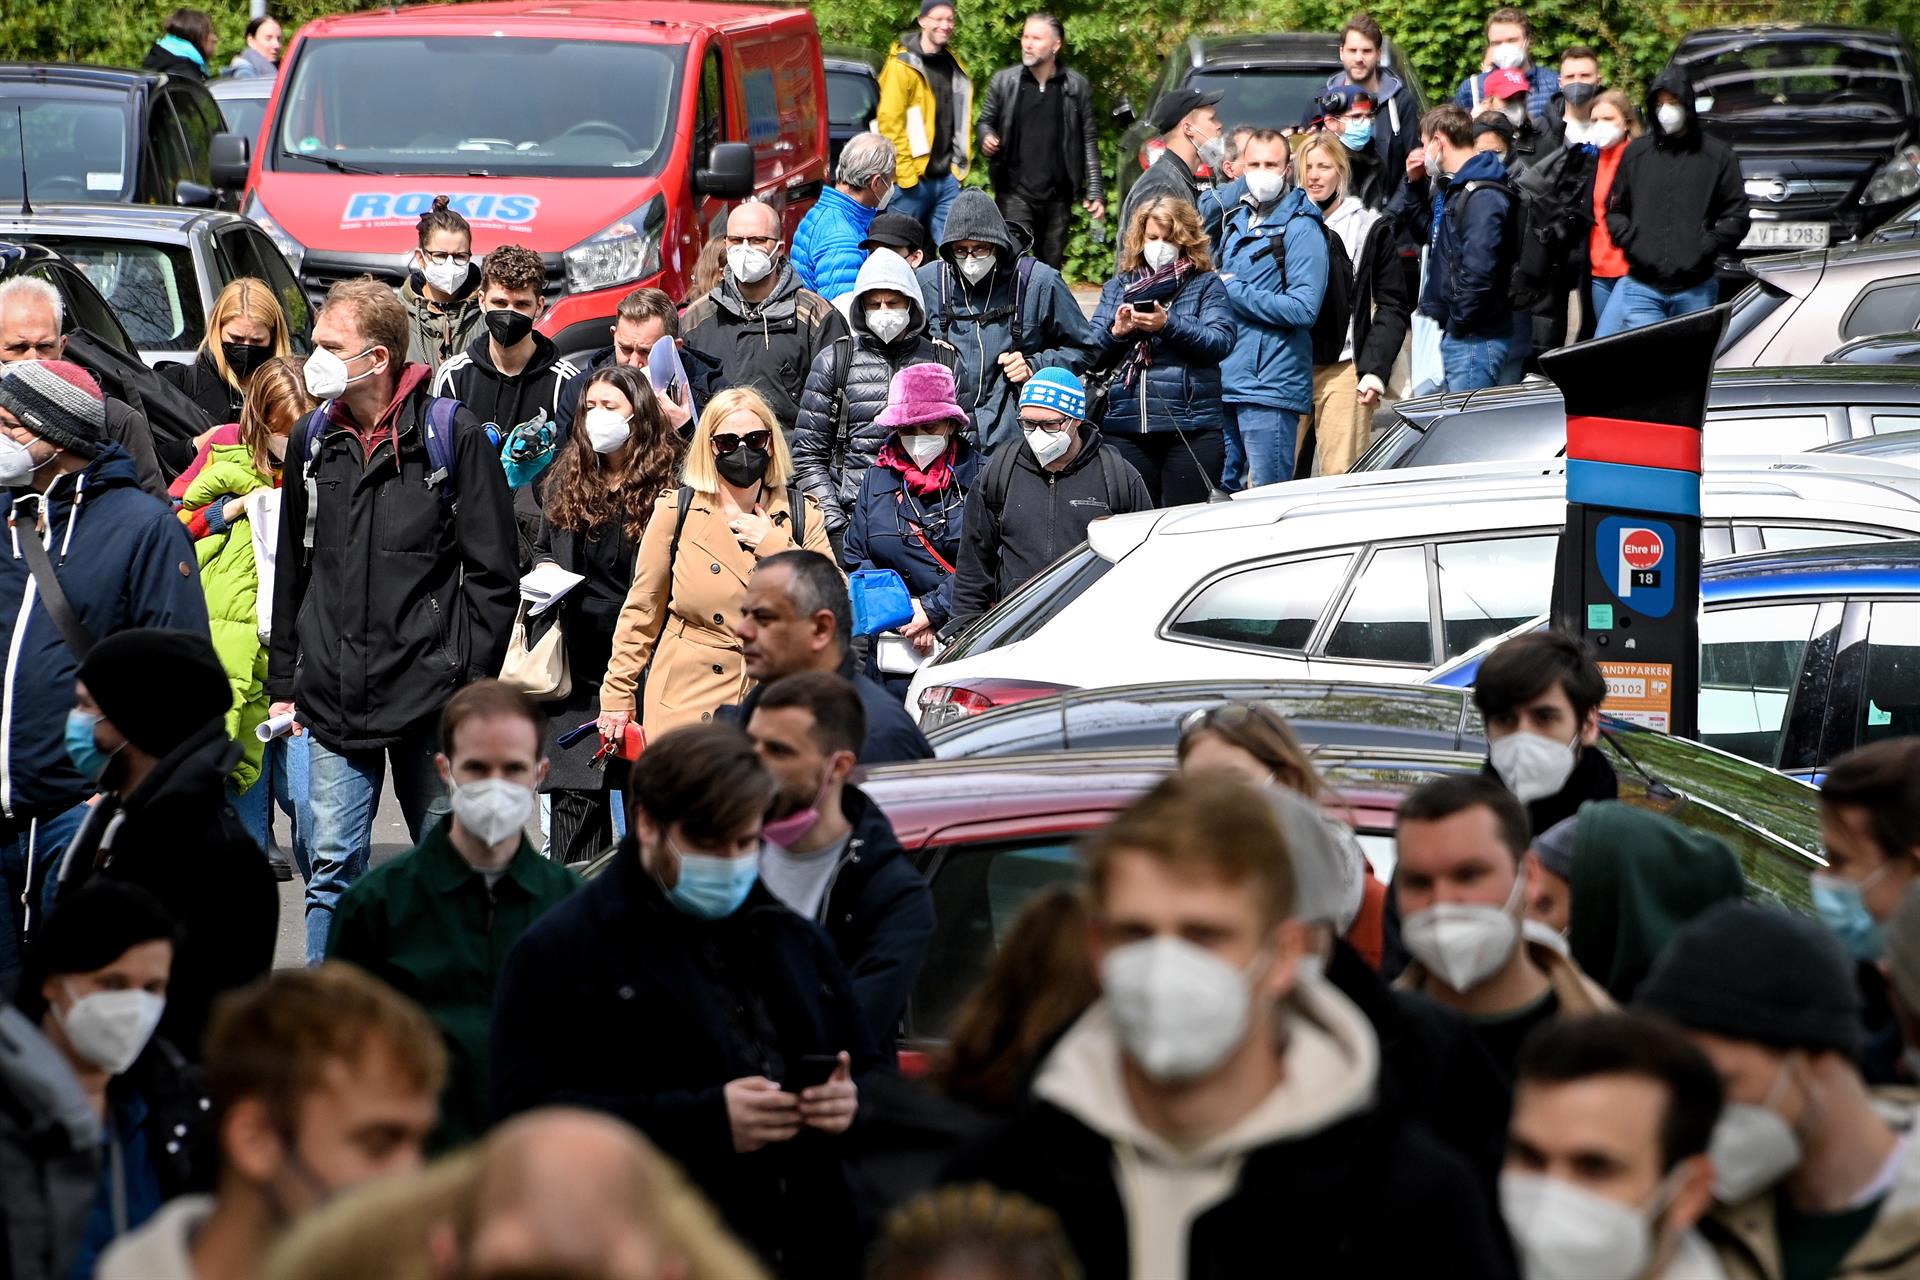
(724, 445)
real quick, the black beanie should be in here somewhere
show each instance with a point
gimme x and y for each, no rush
(90, 928)
(1752, 973)
(157, 687)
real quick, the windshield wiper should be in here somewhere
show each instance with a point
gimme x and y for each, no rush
(338, 166)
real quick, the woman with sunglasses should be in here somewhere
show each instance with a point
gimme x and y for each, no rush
(674, 645)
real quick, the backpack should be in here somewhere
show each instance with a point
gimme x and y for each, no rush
(842, 348)
(1022, 277)
(440, 456)
(1529, 238)
(999, 479)
(1334, 324)
(796, 503)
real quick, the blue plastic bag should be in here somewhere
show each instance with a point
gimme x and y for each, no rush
(527, 451)
(880, 601)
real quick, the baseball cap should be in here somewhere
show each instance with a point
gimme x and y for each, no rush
(1504, 84)
(895, 231)
(1175, 107)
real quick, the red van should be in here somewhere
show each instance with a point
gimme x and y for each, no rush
(608, 136)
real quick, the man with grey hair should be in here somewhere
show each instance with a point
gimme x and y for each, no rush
(31, 321)
(1038, 131)
(826, 245)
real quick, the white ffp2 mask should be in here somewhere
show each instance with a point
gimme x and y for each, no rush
(110, 1028)
(1533, 767)
(1179, 1009)
(493, 808)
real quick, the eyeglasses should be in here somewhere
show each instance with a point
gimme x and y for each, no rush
(978, 251)
(1045, 424)
(441, 259)
(1228, 715)
(757, 242)
(726, 444)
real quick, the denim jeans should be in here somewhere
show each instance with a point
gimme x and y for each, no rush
(27, 848)
(1474, 363)
(1599, 289)
(283, 784)
(926, 202)
(344, 793)
(1635, 304)
(1267, 438)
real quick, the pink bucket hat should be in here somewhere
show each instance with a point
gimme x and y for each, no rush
(922, 393)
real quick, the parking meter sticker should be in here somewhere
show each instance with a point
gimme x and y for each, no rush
(1636, 559)
(1640, 693)
(366, 209)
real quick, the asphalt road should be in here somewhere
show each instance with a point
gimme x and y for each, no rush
(389, 840)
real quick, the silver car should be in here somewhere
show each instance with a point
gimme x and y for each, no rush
(1801, 306)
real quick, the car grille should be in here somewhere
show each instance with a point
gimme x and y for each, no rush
(321, 270)
(1799, 197)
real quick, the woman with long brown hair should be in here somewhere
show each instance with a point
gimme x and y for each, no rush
(619, 456)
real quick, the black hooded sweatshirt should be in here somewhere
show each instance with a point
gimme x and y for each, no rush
(1678, 202)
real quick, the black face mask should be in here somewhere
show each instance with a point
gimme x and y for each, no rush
(1579, 95)
(1329, 202)
(243, 358)
(744, 467)
(508, 327)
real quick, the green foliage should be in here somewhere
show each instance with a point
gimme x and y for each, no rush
(118, 34)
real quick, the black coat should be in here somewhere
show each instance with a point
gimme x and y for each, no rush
(127, 428)
(617, 1001)
(879, 537)
(892, 734)
(1592, 779)
(769, 345)
(588, 614)
(407, 596)
(202, 383)
(879, 913)
(1382, 308)
(1371, 1196)
(1678, 202)
(1079, 138)
(167, 62)
(177, 837)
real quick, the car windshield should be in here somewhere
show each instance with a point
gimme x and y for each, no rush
(243, 116)
(1271, 97)
(151, 287)
(1792, 77)
(76, 150)
(851, 98)
(472, 105)
(1032, 606)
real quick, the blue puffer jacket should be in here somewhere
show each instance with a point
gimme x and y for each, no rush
(1183, 380)
(826, 244)
(1274, 302)
(879, 537)
(124, 560)
(1472, 257)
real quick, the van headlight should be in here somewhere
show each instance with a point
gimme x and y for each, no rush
(626, 251)
(292, 250)
(1898, 178)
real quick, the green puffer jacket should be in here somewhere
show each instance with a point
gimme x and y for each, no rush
(232, 580)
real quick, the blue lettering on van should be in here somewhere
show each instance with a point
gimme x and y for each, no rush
(364, 207)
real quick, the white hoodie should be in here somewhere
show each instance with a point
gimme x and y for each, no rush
(163, 1248)
(1333, 1062)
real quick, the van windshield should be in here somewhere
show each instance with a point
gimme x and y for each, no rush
(479, 105)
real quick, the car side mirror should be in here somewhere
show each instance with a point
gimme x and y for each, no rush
(194, 195)
(229, 156)
(1123, 113)
(729, 172)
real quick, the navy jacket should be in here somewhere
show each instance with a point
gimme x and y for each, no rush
(703, 377)
(124, 560)
(1183, 379)
(1471, 263)
(878, 537)
(616, 1000)
(879, 913)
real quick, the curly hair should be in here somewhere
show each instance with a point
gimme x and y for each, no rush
(514, 268)
(589, 491)
(1184, 228)
(976, 1229)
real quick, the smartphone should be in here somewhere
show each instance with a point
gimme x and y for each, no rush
(1148, 306)
(812, 1069)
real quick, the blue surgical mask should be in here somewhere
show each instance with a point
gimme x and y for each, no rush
(1842, 909)
(712, 888)
(85, 753)
(1357, 134)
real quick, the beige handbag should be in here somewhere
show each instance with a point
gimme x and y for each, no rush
(541, 668)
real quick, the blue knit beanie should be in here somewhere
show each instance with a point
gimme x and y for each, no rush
(1056, 389)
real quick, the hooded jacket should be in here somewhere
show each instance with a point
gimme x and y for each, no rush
(123, 561)
(768, 345)
(907, 109)
(978, 319)
(836, 438)
(175, 56)
(1637, 877)
(435, 334)
(826, 245)
(1311, 1174)
(1045, 515)
(1678, 201)
(1396, 120)
(49, 1154)
(1079, 139)
(177, 836)
(409, 591)
(1474, 248)
(1180, 383)
(1276, 298)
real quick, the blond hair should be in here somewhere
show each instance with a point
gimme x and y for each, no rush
(250, 299)
(1184, 229)
(700, 474)
(1336, 152)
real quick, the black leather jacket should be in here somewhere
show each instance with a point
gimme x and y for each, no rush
(1079, 143)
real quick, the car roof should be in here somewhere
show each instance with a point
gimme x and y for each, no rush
(1813, 383)
(1280, 48)
(1863, 255)
(70, 75)
(607, 19)
(1854, 567)
(241, 87)
(149, 222)
(1709, 36)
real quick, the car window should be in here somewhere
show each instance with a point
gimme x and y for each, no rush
(1032, 606)
(1273, 607)
(1261, 95)
(851, 98)
(1490, 587)
(1388, 447)
(76, 151)
(1765, 433)
(248, 252)
(1887, 306)
(1749, 666)
(1716, 542)
(1890, 690)
(198, 123)
(977, 892)
(1884, 423)
(1784, 76)
(710, 126)
(244, 116)
(151, 287)
(1385, 618)
(167, 151)
(84, 310)
(1751, 308)
(1789, 537)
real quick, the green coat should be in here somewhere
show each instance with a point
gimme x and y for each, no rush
(427, 925)
(231, 580)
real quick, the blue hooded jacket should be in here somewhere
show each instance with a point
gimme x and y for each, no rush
(1274, 302)
(1473, 251)
(124, 560)
(826, 245)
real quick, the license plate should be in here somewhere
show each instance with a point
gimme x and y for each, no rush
(1786, 235)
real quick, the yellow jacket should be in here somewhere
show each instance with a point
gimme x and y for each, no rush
(906, 112)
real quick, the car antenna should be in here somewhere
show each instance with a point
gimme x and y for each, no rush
(20, 123)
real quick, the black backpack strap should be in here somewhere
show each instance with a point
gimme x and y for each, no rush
(1113, 476)
(679, 523)
(53, 596)
(1022, 278)
(797, 507)
(1000, 477)
(842, 362)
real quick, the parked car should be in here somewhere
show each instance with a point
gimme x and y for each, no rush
(1822, 118)
(609, 136)
(82, 307)
(1904, 225)
(97, 135)
(1801, 306)
(1378, 577)
(1882, 350)
(160, 268)
(1748, 411)
(1804, 654)
(853, 93)
(242, 101)
(989, 832)
(1894, 446)
(1267, 79)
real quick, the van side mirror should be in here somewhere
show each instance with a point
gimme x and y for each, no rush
(194, 195)
(1123, 113)
(729, 172)
(228, 156)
